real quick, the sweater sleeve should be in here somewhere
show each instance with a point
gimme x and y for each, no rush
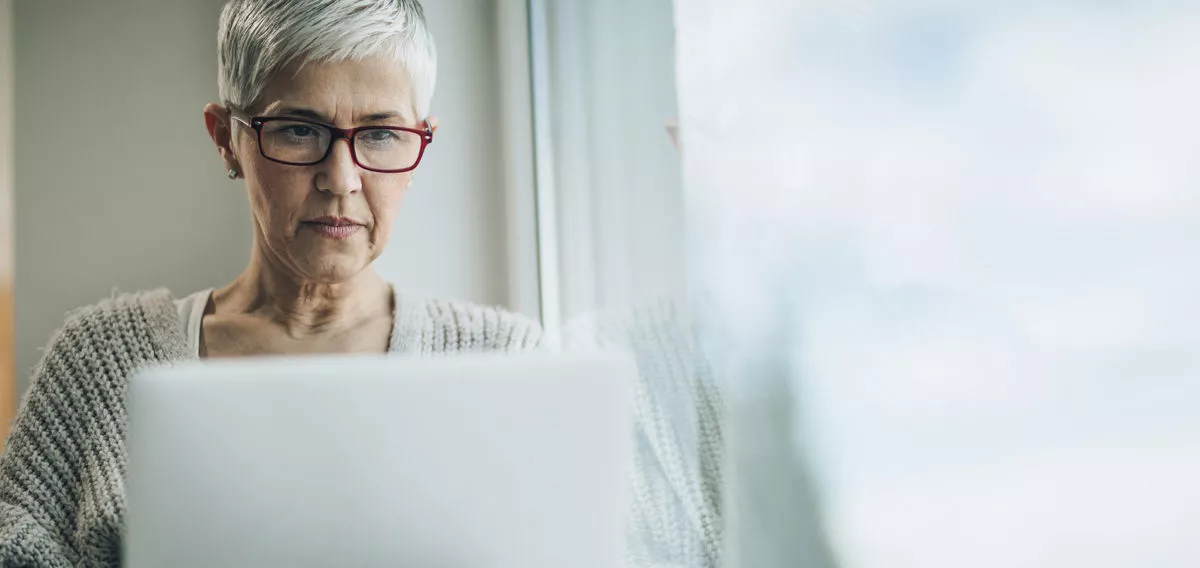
(441, 327)
(61, 486)
(674, 518)
(40, 469)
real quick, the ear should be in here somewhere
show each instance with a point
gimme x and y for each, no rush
(220, 129)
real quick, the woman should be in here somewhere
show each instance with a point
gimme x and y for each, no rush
(325, 118)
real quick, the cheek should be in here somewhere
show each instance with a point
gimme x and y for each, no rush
(277, 198)
(384, 200)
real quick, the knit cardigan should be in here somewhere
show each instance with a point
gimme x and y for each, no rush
(676, 486)
(62, 495)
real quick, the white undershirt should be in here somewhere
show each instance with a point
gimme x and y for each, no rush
(191, 313)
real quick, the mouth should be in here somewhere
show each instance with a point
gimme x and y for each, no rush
(333, 227)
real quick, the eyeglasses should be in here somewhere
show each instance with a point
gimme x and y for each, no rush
(296, 142)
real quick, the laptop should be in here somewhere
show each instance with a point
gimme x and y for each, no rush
(474, 461)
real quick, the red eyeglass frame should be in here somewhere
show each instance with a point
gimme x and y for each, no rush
(256, 123)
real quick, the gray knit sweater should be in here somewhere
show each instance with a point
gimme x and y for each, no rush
(62, 497)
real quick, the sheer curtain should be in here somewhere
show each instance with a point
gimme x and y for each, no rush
(610, 91)
(951, 248)
(611, 236)
(940, 263)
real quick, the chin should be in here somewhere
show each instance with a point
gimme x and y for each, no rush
(340, 268)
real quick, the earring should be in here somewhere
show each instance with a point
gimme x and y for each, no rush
(232, 173)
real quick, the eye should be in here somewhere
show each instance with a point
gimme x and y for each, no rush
(294, 131)
(300, 131)
(377, 136)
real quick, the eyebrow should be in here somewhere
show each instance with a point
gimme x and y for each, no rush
(301, 112)
(304, 112)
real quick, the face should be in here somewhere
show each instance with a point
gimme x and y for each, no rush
(325, 222)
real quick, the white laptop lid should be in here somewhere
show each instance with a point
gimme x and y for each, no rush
(481, 461)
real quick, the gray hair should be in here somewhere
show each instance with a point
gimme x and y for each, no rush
(258, 38)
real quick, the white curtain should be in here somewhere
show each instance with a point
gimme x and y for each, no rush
(616, 175)
(951, 248)
(604, 97)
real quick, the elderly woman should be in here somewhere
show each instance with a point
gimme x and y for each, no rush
(324, 116)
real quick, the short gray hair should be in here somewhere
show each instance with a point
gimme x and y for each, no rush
(258, 38)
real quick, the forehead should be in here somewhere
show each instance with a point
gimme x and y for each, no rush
(366, 87)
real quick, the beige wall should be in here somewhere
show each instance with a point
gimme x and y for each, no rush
(6, 116)
(117, 185)
(7, 388)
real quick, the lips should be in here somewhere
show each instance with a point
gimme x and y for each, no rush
(334, 227)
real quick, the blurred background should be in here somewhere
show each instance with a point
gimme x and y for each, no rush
(944, 251)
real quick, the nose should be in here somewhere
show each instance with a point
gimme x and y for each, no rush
(338, 173)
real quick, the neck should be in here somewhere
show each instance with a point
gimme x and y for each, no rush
(303, 307)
